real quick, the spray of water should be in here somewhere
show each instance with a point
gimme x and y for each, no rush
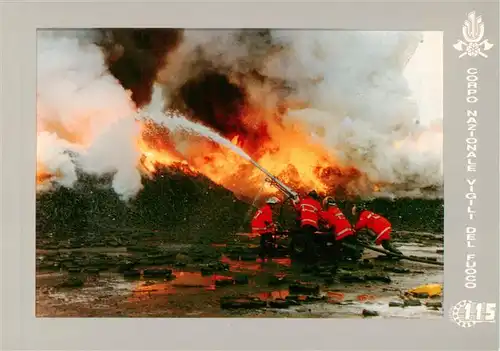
(176, 122)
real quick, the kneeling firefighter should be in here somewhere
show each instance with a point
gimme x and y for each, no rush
(263, 224)
(342, 230)
(377, 226)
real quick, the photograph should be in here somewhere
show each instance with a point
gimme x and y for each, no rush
(239, 173)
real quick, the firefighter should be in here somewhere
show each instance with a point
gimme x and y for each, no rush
(308, 210)
(263, 224)
(377, 226)
(336, 221)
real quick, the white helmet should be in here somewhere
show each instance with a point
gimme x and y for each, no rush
(272, 200)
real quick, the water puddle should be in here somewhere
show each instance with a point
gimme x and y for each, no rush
(256, 266)
(189, 292)
(420, 251)
(272, 295)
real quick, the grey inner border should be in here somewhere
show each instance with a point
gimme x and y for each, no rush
(21, 330)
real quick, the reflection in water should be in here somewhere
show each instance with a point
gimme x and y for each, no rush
(184, 282)
(283, 261)
(254, 266)
(187, 294)
(193, 283)
(335, 295)
(191, 280)
(239, 266)
(365, 297)
(273, 295)
(188, 282)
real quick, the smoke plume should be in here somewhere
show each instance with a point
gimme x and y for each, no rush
(335, 102)
(85, 116)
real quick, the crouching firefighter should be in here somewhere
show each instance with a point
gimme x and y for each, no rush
(342, 230)
(263, 224)
(377, 226)
(308, 210)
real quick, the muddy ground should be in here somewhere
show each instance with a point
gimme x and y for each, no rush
(161, 279)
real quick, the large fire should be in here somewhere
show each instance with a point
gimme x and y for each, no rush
(289, 155)
(258, 97)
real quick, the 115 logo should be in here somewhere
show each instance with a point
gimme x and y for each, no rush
(468, 313)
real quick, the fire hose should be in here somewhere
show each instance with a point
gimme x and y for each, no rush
(373, 248)
(293, 195)
(388, 253)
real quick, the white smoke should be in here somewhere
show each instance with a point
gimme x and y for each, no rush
(355, 86)
(360, 104)
(81, 107)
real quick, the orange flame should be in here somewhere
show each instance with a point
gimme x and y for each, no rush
(43, 175)
(294, 159)
(290, 155)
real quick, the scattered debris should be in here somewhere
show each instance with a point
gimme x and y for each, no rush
(293, 300)
(304, 287)
(351, 278)
(197, 260)
(164, 273)
(426, 290)
(94, 271)
(325, 274)
(303, 309)
(125, 266)
(412, 302)
(248, 257)
(396, 269)
(366, 264)
(330, 280)
(279, 303)
(244, 302)
(369, 313)
(313, 298)
(206, 271)
(241, 279)
(224, 282)
(434, 304)
(278, 280)
(420, 295)
(72, 282)
(378, 278)
(134, 273)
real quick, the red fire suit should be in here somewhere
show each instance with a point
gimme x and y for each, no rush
(376, 224)
(308, 211)
(336, 221)
(262, 221)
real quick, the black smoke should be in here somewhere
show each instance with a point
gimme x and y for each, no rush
(134, 57)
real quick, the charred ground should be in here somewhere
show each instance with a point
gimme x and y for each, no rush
(173, 252)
